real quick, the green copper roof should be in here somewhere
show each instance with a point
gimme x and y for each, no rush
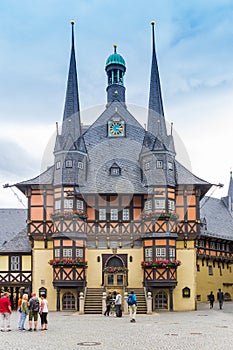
(115, 58)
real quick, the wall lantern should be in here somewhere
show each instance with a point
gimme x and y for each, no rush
(186, 292)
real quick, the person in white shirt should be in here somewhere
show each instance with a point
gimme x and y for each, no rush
(44, 313)
(118, 303)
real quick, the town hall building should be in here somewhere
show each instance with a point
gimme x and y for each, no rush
(117, 211)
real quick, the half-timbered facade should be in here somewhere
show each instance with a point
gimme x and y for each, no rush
(117, 210)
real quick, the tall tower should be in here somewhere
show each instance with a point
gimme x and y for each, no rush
(115, 69)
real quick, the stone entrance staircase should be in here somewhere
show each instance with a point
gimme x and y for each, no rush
(93, 301)
(140, 294)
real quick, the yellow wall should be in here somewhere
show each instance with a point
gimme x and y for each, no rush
(186, 277)
(94, 270)
(43, 271)
(207, 283)
(4, 265)
(26, 262)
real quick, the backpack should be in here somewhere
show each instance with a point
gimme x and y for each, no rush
(130, 300)
(35, 305)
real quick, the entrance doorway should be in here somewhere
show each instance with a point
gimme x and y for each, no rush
(115, 272)
(68, 301)
(161, 300)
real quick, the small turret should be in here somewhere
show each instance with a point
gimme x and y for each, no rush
(115, 69)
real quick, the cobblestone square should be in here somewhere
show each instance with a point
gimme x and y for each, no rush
(202, 329)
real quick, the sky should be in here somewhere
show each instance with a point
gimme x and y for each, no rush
(194, 50)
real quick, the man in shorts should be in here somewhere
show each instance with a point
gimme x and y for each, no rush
(34, 306)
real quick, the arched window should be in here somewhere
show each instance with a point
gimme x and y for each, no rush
(68, 301)
(114, 262)
(161, 300)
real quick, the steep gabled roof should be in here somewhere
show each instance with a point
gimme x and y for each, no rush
(11, 222)
(219, 222)
(18, 244)
(46, 178)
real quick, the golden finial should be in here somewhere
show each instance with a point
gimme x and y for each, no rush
(115, 47)
(152, 23)
(72, 22)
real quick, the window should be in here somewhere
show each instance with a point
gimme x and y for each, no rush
(223, 246)
(80, 165)
(148, 254)
(115, 171)
(114, 214)
(159, 164)
(227, 248)
(102, 214)
(212, 245)
(159, 204)
(67, 253)
(79, 204)
(69, 163)
(15, 263)
(201, 244)
(79, 253)
(160, 252)
(57, 205)
(57, 253)
(125, 214)
(148, 205)
(147, 166)
(58, 165)
(218, 246)
(171, 205)
(172, 253)
(68, 204)
(170, 166)
(210, 270)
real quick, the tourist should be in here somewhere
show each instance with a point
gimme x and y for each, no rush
(132, 302)
(118, 302)
(108, 304)
(34, 306)
(220, 297)
(44, 313)
(5, 312)
(24, 311)
(211, 299)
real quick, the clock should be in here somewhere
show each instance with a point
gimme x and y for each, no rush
(116, 128)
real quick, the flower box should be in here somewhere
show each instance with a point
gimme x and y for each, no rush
(68, 262)
(69, 215)
(154, 215)
(115, 269)
(160, 263)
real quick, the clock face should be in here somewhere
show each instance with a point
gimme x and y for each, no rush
(116, 128)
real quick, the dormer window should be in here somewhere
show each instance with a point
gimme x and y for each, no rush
(115, 170)
(170, 166)
(80, 165)
(69, 163)
(58, 165)
(159, 164)
(147, 166)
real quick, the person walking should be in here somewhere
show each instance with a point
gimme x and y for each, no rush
(211, 299)
(118, 302)
(24, 312)
(5, 312)
(220, 297)
(19, 310)
(44, 313)
(132, 303)
(34, 307)
(108, 304)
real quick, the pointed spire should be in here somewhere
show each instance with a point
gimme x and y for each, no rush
(71, 116)
(156, 120)
(230, 189)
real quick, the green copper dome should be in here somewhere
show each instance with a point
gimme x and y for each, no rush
(115, 58)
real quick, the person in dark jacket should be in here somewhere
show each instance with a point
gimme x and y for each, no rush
(211, 299)
(220, 298)
(108, 304)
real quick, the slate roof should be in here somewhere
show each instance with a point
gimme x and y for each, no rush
(18, 244)
(46, 178)
(219, 222)
(185, 177)
(12, 221)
